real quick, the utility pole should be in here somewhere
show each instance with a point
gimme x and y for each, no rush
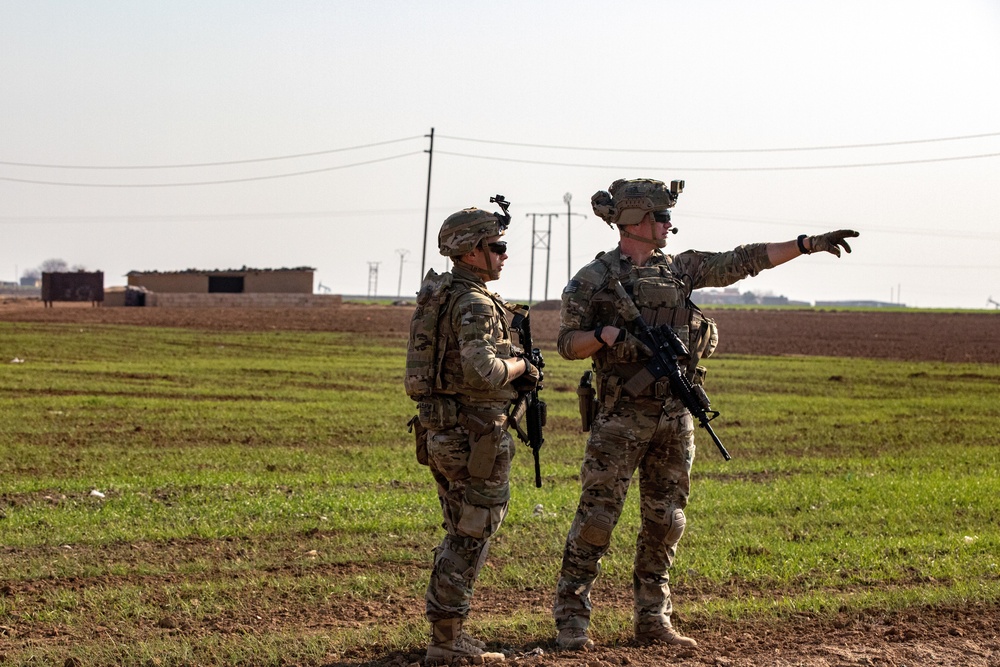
(373, 279)
(538, 240)
(402, 252)
(427, 203)
(548, 254)
(569, 235)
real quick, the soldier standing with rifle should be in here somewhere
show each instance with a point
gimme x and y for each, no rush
(624, 310)
(463, 370)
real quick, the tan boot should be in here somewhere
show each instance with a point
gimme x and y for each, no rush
(574, 639)
(662, 634)
(449, 643)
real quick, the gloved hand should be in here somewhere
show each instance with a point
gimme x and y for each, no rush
(530, 379)
(831, 241)
(628, 348)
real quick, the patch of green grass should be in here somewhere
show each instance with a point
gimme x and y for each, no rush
(269, 471)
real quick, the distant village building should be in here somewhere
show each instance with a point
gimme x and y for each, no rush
(229, 281)
(859, 304)
(731, 296)
(245, 287)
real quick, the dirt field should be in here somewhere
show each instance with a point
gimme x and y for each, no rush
(964, 636)
(952, 337)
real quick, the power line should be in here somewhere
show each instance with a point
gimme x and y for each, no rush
(200, 217)
(938, 233)
(219, 182)
(308, 215)
(206, 164)
(724, 150)
(798, 168)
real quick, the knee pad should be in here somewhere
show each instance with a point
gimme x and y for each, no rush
(675, 528)
(461, 556)
(597, 526)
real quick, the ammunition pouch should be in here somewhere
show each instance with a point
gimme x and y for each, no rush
(437, 413)
(587, 399)
(609, 391)
(704, 340)
(420, 435)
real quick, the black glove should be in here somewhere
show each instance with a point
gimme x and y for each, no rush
(530, 379)
(831, 241)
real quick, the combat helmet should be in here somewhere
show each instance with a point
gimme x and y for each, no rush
(462, 232)
(628, 201)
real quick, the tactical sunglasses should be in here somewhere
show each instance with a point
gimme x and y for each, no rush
(661, 216)
(499, 247)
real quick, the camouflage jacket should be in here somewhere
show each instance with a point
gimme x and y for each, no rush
(479, 339)
(661, 288)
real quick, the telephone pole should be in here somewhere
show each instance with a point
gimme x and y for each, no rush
(427, 202)
(569, 235)
(402, 252)
(373, 279)
(540, 240)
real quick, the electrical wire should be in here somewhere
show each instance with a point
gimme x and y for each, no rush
(937, 233)
(207, 164)
(219, 182)
(724, 169)
(312, 215)
(722, 150)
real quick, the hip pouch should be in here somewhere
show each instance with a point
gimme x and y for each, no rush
(420, 435)
(437, 413)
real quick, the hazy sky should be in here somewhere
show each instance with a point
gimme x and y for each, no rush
(529, 99)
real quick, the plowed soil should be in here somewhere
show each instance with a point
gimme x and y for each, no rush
(956, 636)
(972, 337)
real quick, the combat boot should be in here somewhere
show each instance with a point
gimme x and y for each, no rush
(662, 633)
(574, 639)
(449, 643)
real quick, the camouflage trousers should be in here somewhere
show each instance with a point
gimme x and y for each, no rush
(657, 439)
(473, 510)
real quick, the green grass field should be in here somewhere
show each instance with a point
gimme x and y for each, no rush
(260, 488)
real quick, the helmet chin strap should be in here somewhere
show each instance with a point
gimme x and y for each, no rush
(489, 273)
(651, 239)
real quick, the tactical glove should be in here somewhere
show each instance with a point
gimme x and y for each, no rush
(831, 241)
(530, 379)
(630, 348)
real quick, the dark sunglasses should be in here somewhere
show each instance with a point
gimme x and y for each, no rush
(661, 216)
(499, 247)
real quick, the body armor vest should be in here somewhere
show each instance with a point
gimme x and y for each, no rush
(662, 297)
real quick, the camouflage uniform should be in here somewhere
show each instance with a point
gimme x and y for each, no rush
(651, 432)
(472, 401)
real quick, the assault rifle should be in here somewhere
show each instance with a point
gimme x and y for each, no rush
(666, 347)
(530, 406)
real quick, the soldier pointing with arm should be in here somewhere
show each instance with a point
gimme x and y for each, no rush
(642, 425)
